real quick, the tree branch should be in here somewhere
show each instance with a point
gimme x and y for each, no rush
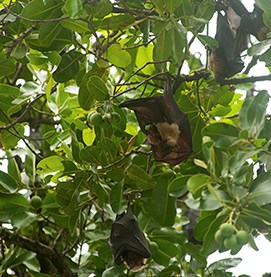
(39, 248)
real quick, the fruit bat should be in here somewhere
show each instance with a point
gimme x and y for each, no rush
(167, 128)
(225, 60)
(128, 243)
(252, 22)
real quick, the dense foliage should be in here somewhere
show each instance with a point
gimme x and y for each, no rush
(72, 159)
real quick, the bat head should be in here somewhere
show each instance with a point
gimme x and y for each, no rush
(167, 128)
(133, 261)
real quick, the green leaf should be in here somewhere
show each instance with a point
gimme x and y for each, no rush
(7, 67)
(117, 56)
(97, 88)
(144, 55)
(102, 8)
(209, 244)
(222, 134)
(163, 47)
(74, 8)
(141, 179)
(169, 234)
(116, 198)
(91, 154)
(194, 250)
(7, 183)
(177, 186)
(224, 264)
(40, 9)
(162, 205)
(89, 136)
(178, 38)
(85, 98)
(197, 183)
(8, 140)
(16, 257)
(165, 252)
(113, 271)
(208, 201)
(50, 165)
(116, 22)
(68, 67)
(172, 5)
(252, 113)
(266, 57)
(207, 41)
(75, 25)
(48, 32)
(13, 169)
(171, 270)
(261, 189)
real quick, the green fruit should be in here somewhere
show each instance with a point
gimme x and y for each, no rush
(36, 202)
(227, 230)
(218, 237)
(242, 237)
(153, 247)
(230, 242)
(95, 118)
(107, 117)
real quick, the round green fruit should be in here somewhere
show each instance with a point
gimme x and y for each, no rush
(218, 237)
(242, 237)
(153, 247)
(36, 202)
(230, 242)
(95, 118)
(227, 230)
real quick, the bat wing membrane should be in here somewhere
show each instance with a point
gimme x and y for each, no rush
(127, 236)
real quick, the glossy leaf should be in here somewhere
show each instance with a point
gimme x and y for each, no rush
(252, 113)
(141, 179)
(50, 164)
(7, 183)
(68, 67)
(261, 190)
(162, 205)
(222, 134)
(39, 9)
(97, 88)
(197, 183)
(117, 56)
(76, 26)
(74, 8)
(48, 32)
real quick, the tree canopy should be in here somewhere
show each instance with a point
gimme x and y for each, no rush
(72, 159)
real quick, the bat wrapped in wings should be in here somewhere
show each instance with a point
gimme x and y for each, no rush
(251, 22)
(225, 60)
(167, 128)
(128, 242)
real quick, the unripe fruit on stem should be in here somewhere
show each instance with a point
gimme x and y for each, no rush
(227, 230)
(242, 237)
(36, 202)
(230, 242)
(95, 118)
(153, 247)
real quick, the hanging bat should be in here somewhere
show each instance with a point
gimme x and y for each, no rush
(225, 60)
(252, 23)
(128, 243)
(167, 128)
